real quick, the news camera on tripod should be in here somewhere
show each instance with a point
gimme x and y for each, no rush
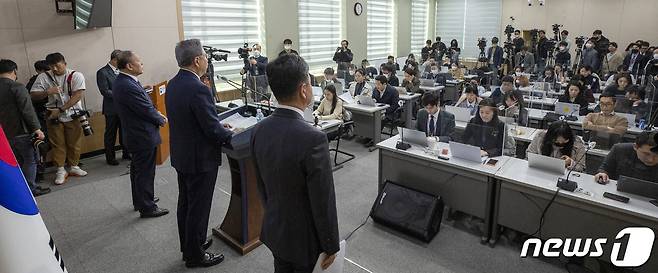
(214, 54)
(253, 73)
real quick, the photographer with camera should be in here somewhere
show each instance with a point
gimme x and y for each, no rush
(66, 117)
(20, 124)
(255, 64)
(601, 44)
(439, 49)
(343, 55)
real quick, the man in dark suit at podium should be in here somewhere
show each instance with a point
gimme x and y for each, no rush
(140, 122)
(294, 174)
(195, 140)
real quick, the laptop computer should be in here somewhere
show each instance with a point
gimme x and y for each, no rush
(413, 136)
(367, 100)
(427, 82)
(629, 117)
(461, 114)
(567, 109)
(465, 151)
(637, 187)
(547, 163)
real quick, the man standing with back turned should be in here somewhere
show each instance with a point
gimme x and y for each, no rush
(195, 140)
(294, 175)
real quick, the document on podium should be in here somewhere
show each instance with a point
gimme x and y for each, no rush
(336, 266)
(239, 123)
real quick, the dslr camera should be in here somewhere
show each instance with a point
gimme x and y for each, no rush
(40, 145)
(82, 116)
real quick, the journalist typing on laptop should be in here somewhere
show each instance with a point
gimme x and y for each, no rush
(638, 160)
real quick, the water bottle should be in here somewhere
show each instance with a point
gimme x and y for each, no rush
(259, 115)
(642, 124)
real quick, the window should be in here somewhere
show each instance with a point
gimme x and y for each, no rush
(223, 24)
(482, 20)
(380, 29)
(319, 32)
(450, 21)
(466, 21)
(419, 21)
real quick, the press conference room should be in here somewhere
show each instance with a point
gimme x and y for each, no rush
(328, 136)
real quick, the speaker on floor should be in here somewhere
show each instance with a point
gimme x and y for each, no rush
(411, 212)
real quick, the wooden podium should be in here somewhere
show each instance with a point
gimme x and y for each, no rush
(242, 223)
(158, 98)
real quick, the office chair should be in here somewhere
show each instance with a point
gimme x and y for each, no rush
(342, 130)
(395, 121)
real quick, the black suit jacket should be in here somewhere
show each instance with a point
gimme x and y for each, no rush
(446, 129)
(296, 186)
(140, 122)
(390, 97)
(195, 134)
(105, 78)
(637, 66)
(492, 134)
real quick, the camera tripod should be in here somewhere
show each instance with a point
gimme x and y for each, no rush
(482, 59)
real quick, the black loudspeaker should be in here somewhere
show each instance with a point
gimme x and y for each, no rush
(414, 213)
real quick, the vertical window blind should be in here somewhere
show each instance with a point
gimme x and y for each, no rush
(466, 21)
(380, 28)
(419, 25)
(223, 24)
(319, 31)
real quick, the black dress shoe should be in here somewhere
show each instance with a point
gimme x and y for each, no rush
(208, 260)
(155, 200)
(204, 246)
(126, 156)
(38, 190)
(112, 162)
(207, 244)
(155, 213)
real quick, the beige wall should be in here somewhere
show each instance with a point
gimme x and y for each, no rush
(621, 21)
(403, 14)
(280, 22)
(356, 29)
(30, 29)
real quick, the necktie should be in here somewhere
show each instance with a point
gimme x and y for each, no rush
(431, 131)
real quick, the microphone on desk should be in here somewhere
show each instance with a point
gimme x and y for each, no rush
(566, 184)
(401, 145)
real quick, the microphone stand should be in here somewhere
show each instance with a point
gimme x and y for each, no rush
(244, 90)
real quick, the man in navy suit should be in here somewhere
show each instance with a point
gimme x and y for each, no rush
(387, 94)
(294, 175)
(195, 141)
(433, 121)
(105, 78)
(140, 122)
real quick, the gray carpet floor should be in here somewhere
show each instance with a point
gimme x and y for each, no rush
(96, 230)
